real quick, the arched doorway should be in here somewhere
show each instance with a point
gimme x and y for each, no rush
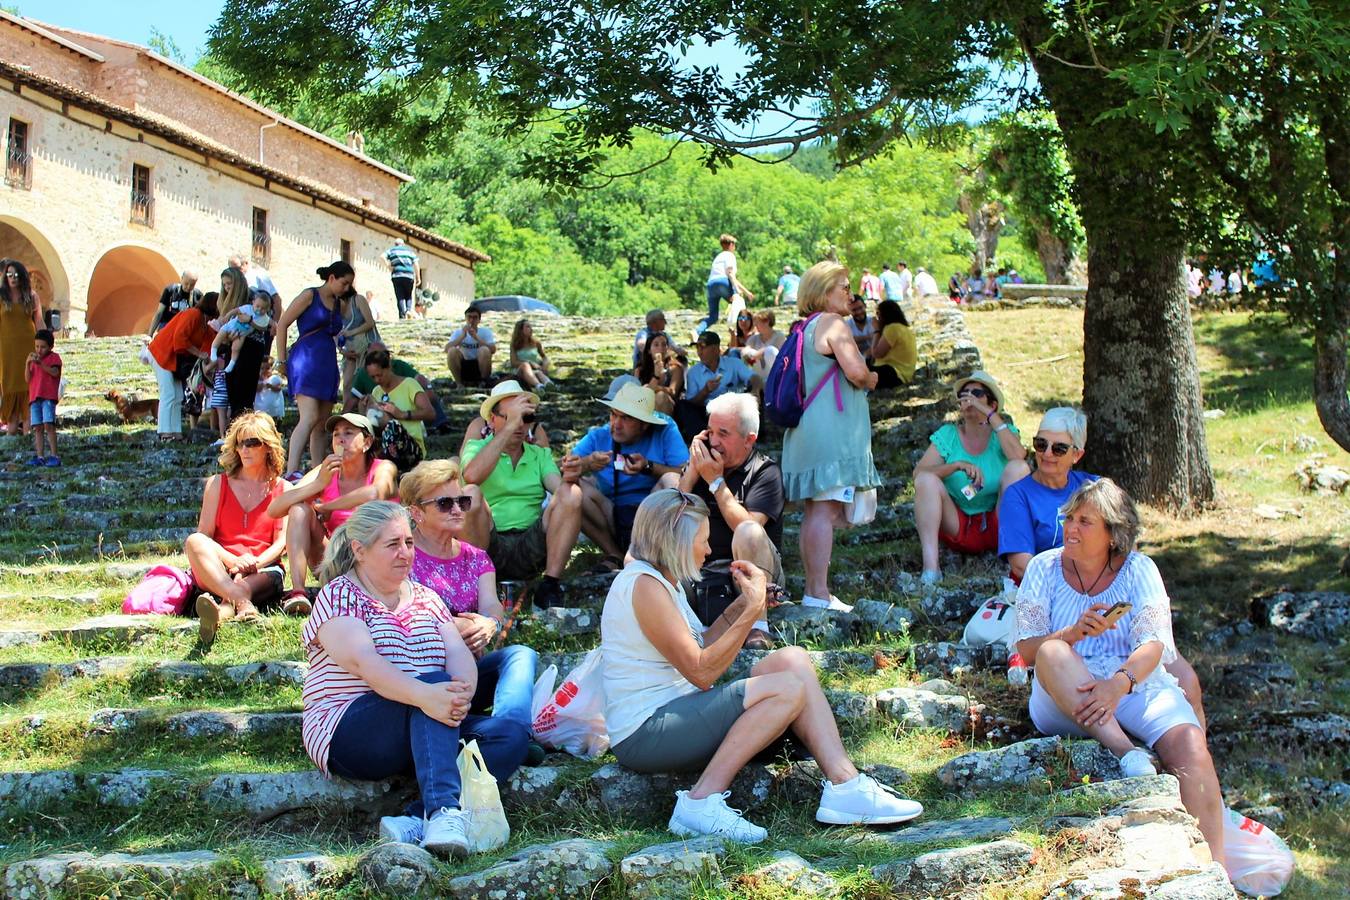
(124, 290)
(20, 240)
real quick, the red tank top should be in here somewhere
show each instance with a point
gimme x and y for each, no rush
(246, 531)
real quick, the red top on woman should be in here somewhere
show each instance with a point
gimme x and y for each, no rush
(186, 330)
(241, 530)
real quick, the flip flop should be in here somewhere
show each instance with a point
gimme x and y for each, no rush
(296, 604)
(208, 620)
(249, 615)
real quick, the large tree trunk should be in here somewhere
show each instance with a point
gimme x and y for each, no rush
(1141, 383)
(1329, 371)
(1054, 254)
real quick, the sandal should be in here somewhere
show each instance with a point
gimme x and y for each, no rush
(296, 603)
(248, 614)
(774, 595)
(607, 565)
(758, 639)
(208, 620)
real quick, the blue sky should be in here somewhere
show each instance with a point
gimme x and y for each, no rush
(185, 22)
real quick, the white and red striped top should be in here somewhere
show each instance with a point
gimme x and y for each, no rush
(410, 638)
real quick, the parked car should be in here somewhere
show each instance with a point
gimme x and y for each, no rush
(516, 303)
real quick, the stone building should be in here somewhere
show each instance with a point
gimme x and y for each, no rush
(122, 168)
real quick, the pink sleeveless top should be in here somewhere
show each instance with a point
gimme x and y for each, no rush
(332, 492)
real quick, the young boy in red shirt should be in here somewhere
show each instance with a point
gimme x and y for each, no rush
(44, 389)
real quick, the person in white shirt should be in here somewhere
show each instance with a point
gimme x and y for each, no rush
(722, 282)
(259, 279)
(924, 283)
(469, 351)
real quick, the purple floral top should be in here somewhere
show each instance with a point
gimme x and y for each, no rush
(455, 581)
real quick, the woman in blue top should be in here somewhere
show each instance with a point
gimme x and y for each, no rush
(959, 481)
(312, 370)
(1031, 517)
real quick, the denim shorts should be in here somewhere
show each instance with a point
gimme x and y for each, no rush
(42, 412)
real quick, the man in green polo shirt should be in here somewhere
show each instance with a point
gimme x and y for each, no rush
(525, 537)
(363, 384)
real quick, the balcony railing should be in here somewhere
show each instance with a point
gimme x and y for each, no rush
(142, 208)
(18, 168)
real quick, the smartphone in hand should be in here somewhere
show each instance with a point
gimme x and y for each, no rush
(1117, 612)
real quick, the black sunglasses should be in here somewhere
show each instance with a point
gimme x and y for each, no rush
(445, 504)
(528, 418)
(977, 393)
(251, 443)
(1040, 445)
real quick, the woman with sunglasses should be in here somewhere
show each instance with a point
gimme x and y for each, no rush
(1031, 517)
(960, 480)
(463, 576)
(326, 496)
(664, 710)
(235, 553)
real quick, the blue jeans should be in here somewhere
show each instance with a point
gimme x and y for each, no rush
(506, 684)
(718, 291)
(379, 738)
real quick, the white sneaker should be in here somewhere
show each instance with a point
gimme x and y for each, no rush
(444, 834)
(401, 829)
(711, 815)
(833, 603)
(930, 576)
(864, 801)
(1137, 764)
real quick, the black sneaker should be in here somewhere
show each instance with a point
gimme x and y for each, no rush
(549, 592)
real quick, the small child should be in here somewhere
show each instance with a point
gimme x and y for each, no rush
(44, 390)
(243, 321)
(270, 398)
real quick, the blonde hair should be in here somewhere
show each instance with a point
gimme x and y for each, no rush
(265, 430)
(1114, 506)
(664, 530)
(238, 294)
(425, 477)
(726, 240)
(765, 315)
(815, 285)
(362, 527)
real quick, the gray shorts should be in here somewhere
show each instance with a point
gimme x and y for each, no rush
(683, 735)
(521, 554)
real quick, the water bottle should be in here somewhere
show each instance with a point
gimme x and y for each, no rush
(1017, 669)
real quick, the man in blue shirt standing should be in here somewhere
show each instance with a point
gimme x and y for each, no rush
(638, 451)
(403, 272)
(787, 287)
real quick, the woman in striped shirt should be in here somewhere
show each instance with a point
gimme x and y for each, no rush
(1103, 676)
(390, 680)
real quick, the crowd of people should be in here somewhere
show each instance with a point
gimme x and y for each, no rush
(405, 632)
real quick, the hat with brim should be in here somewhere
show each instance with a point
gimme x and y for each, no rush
(984, 378)
(617, 385)
(355, 419)
(504, 390)
(636, 401)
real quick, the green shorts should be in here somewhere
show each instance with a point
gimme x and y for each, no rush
(519, 554)
(683, 735)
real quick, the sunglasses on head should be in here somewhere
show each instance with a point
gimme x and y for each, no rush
(251, 443)
(445, 504)
(1040, 445)
(977, 393)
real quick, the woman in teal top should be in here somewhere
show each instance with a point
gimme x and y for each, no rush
(828, 456)
(960, 480)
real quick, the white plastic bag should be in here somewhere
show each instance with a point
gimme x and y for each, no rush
(543, 690)
(1258, 861)
(480, 801)
(995, 622)
(573, 718)
(862, 508)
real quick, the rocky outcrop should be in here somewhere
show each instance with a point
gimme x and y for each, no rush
(565, 869)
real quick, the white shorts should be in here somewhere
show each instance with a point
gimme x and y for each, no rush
(1146, 716)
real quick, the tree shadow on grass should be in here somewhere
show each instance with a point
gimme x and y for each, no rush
(1266, 364)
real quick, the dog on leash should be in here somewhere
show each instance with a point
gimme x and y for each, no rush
(133, 410)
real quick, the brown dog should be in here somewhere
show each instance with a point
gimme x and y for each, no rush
(134, 410)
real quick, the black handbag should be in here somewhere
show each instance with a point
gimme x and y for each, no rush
(183, 364)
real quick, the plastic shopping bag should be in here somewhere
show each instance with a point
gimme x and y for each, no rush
(486, 826)
(1258, 861)
(543, 690)
(995, 622)
(573, 718)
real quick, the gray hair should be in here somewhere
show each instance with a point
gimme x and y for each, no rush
(743, 406)
(1117, 510)
(1069, 420)
(664, 531)
(364, 525)
(654, 314)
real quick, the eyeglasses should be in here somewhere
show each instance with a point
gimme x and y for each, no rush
(251, 443)
(445, 504)
(528, 418)
(1040, 445)
(977, 393)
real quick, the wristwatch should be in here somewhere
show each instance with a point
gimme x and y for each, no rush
(716, 485)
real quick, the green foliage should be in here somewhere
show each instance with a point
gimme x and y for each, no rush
(1027, 160)
(165, 45)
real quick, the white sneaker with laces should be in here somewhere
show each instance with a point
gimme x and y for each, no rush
(711, 815)
(444, 834)
(864, 801)
(1136, 764)
(401, 829)
(832, 602)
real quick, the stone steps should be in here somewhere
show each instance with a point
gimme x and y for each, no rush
(111, 629)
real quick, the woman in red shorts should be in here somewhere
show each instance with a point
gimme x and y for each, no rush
(960, 480)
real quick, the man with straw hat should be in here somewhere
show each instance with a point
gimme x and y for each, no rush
(638, 451)
(514, 475)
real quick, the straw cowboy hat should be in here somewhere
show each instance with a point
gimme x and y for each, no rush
(636, 401)
(983, 378)
(504, 390)
(351, 418)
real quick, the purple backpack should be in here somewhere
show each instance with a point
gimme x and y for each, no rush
(785, 398)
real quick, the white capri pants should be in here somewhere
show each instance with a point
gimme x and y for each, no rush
(1145, 714)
